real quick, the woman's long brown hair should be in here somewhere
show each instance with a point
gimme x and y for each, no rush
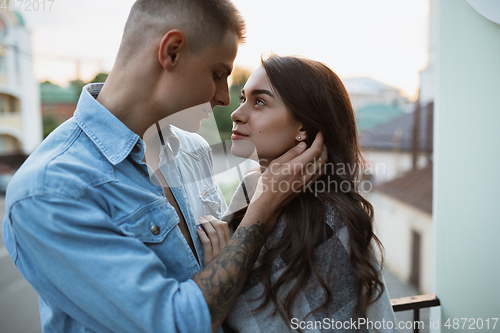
(316, 97)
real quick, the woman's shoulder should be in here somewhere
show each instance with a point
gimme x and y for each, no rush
(244, 193)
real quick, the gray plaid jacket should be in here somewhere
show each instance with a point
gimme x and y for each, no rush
(338, 317)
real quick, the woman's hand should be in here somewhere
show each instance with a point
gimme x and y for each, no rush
(287, 177)
(214, 236)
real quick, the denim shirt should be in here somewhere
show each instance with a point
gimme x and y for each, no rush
(92, 231)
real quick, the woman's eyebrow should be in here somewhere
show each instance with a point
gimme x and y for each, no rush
(258, 92)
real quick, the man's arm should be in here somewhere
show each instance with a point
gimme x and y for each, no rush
(223, 279)
(81, 262)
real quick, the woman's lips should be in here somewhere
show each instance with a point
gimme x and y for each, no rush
(238, 136)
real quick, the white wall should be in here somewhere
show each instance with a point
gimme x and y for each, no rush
(387, 165)
(30, 101)
(427, 76)
(394, 222)
(467, 164)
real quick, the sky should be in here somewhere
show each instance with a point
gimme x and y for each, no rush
(383, 39)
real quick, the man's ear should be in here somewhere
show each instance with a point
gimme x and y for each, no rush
(172, 43)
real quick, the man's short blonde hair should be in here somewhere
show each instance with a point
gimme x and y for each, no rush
(204, 22)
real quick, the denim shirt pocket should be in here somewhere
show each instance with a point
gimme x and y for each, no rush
(210, 201)
(151, 223)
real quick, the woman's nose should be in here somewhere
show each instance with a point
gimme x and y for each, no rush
(238, 115)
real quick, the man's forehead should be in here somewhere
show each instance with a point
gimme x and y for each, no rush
(228, 50)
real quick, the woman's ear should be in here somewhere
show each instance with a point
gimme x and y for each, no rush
(301, 135)
(170, 46)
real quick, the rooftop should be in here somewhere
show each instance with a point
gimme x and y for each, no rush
(52, 93)
(414, 188)
(365, 86)
(373, 115)
(382, 137)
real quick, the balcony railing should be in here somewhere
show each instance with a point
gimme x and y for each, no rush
(415, 303)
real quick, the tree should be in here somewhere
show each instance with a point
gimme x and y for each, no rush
(239, 77)
(101, 77)
(50, 122)
(77, 85)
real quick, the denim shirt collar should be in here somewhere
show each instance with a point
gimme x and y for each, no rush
(109, 134)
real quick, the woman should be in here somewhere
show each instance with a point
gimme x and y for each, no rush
(318, 270)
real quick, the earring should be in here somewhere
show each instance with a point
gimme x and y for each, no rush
(298, 139)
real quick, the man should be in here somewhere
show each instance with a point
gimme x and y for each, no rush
(101, 244)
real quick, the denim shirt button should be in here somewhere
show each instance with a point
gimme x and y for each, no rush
(155, 230)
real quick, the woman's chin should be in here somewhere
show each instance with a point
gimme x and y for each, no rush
(243, 149)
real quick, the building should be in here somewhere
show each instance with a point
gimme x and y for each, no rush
(372, 115)
(20, 117)
(462, 80)
(365, 91)
(399, 145)
(466, 162)
(399, 156)
(403, 223)
(58, 102)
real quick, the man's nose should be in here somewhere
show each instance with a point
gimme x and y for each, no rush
(221, 96)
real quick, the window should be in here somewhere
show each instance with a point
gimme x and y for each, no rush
(3, 28)
(14, 104)
(3, 144)
(3, 67)
(415, 258)
(17, 57)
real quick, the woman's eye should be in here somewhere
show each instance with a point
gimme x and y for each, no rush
(216, 77)
(259, 101)
(242, 99)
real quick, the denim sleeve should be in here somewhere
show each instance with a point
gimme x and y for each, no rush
(79, 260)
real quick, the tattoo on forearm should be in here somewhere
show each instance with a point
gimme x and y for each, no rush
(222, 280)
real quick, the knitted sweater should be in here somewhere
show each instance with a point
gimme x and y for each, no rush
(340, 312)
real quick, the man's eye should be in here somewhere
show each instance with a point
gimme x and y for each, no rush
(216, 77)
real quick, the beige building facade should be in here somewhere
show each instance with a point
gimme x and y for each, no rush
(20, 117)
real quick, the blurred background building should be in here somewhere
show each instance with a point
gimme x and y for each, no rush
(399, 153)
(20, 134)
(365, 91)
(20, 118)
